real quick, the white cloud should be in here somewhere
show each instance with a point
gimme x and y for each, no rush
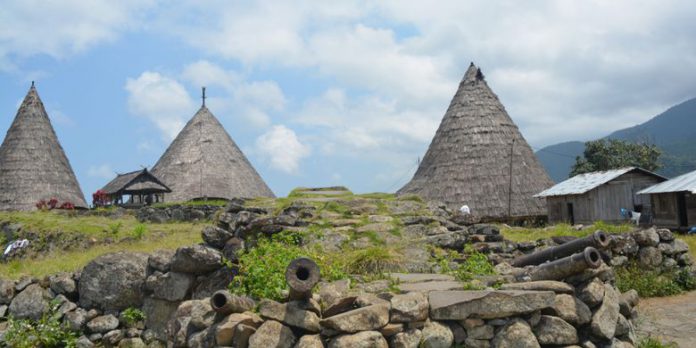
(102, 171)
(62, 28)
(162, 100)
(282, 148)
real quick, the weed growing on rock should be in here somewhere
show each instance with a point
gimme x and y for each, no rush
(139, 231)
(47, 332)
(375, 260)
(652, 283)
(132, 316)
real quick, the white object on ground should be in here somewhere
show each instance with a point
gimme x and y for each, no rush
(18, 244)
(465, 209)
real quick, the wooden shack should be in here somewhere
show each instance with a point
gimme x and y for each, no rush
(141, 188)
(673, 202)
(590, 197)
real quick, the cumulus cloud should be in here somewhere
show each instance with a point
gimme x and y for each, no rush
(281, 147)
(62, 28)
(102, 171)
(162, 100)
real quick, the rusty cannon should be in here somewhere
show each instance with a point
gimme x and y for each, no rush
(567, 266)
(225, 303)
(301, 275)
(598, 240)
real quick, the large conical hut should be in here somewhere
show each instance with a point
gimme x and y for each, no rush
(203, 162)
(33, 166)
(479, 158)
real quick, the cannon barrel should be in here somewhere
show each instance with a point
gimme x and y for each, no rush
(567, 266)
(301, 275)
(225, 303)
(599, 240)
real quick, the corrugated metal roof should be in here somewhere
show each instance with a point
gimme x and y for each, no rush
(685, 182)
(582, 183)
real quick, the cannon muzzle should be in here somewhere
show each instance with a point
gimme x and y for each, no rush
(568, 266)
(598, 240)
(301, 275)
(225, 303)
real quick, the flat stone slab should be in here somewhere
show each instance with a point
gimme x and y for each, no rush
(485, 304)
(420, 277)
(431, 286)
(541, 285)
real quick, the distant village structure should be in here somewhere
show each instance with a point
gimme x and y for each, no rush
(479, 158)
(203, 162)
(33, 165)
(140, 186)
(673, 201)
(590, 197)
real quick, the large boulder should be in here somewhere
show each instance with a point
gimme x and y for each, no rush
(272, 334)
(437, 335)
(63, 283)
(516, 334)
(31, 303)
(102, 324)
(210, 283)
(157, 314)
(113, 281)
(459, 305)
(604, 319)
(555, 331)
(216, 237)
(196, 259)
(372, 317)
(409, 307)
(170, 286)
(290, 314)
(364, 339)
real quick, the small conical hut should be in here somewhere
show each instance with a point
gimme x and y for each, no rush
(479, 158)
(33, 166)
(203, 162)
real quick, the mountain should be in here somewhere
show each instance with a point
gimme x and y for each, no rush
(674, 131)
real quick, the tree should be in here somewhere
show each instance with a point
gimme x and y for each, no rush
(611, 154)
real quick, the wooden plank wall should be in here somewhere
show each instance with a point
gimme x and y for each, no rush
(604, 202)
(665, 211)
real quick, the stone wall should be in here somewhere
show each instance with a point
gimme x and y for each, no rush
(177, 213)
(173, 289)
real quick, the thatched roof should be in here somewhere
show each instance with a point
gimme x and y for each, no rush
(135, 182)
(204, 162)
(33, 166)
(468, 161)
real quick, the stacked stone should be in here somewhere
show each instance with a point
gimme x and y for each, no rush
(178, 213)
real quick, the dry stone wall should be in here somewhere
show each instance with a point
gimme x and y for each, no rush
(173, 289)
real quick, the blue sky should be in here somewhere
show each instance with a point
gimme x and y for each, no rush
(324, 93)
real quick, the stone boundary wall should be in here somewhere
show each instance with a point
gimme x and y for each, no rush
(173, 289)
(177, 213)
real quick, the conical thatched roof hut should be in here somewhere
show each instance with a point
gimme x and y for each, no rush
(469, 161)
(33, 166)
(204, 162)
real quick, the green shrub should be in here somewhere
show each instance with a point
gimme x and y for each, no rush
(649, 283)
(139, 231)
(685, 279)
(476, 264)
(132, 316)
(47, 332)
(262, 268)
(651, 342)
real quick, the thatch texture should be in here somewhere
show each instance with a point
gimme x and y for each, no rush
(33, 166)
(135, 182)
(468, 161)
(204, 162)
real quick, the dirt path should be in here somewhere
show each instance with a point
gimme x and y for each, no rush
(669, 318)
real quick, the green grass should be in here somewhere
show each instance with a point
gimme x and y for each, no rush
(520, 234)
(126, 233)
(652, 283)
(691, 241)
(652, 342)
(375, 260)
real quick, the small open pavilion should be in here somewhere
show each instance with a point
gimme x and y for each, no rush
(140, 187)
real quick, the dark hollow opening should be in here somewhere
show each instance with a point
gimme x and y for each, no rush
(219, 300)
(602, 237)
(302, 273)
(594, 256)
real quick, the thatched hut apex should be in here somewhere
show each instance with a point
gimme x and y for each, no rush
(203, 162)
(479, 158)
(33, 165)
(140, 185)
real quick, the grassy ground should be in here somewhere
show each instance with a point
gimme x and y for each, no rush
(126, 234)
